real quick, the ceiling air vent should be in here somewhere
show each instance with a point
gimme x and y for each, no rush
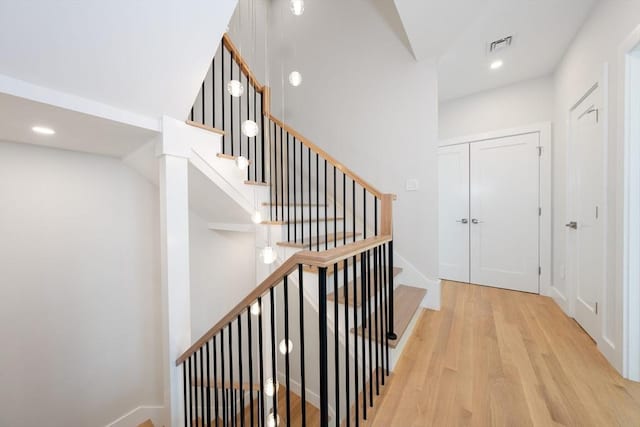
(498, 45)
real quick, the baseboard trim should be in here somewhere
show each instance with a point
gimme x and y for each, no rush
(139, 415)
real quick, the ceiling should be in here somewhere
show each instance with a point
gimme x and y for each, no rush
(143, 56)
(74, 131)
(456, 33)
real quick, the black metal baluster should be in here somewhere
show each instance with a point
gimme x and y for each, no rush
(202, 391)
(255, 138)
(355, 340)
(240, 369)
(231, 104)
(282, 172)
(275, 167)
(208, 412)
(375, 314)
(322, 329)
(344, 210)
(353, 194)
(368, 287)
(363, 331)
(204, 121)
(381, 316)
(302, 194)
(191, 114)
(303, 397)
(224, 101)
(310, 198)
(272, 182)
(262, 130)
(216, 410)
(386, 306)
(318, 205)
(336, 353)
(231, 393)
(286, 343)
(261, 364)
(184, 390)
(345, 284)
(289, 190)
(274, 370)
(250, 352)
(190, 391)
(213, 92)
(225, 402)
(364, 213)
(335, 209)
(295, 196)
(326, 224)
(391, 334)
(248, 139)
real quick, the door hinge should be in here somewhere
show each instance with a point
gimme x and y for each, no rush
(596, 308)
(539, 271)
(540, 151)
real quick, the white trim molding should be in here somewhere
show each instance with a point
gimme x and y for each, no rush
(139, 415)
(628, 131)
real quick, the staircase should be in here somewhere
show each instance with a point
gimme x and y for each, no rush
(316, 341)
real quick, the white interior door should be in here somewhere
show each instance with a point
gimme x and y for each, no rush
(504, 212)
(453, 190)
(585, 228)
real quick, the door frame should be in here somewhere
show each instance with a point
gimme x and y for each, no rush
(628, 128)
(544, 231)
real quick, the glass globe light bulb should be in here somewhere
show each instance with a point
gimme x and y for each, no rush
(250, 128)
(273, 421)
(255, 308)
(297, 7)
(295, 78)
(268, 255)
(284, 348)
(235, 88)
(270, 388)
(256, 217)
(242, 163)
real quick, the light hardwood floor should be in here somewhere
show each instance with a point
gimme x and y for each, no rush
(493, 357)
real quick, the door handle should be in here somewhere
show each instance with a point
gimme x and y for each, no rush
(475, 221)
(573, 225)
(463, 221)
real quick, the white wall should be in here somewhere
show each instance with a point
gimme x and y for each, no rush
(511, 106)
(597, 42)
(366, 101)
(79, 292)
(222, 272)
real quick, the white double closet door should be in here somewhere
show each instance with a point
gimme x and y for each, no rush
(489, 212)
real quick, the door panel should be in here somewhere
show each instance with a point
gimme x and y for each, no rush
(504, 196)
(453, 183)
(585, 257)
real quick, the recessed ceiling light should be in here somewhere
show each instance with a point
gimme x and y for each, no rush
(43, 130)
(496, 64)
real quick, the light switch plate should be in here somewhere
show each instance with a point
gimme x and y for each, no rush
(412, 185)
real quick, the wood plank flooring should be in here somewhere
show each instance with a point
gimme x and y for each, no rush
(493, 357)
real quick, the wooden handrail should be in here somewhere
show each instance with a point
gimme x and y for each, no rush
(342, 168)
(317, 259)
(244, 67)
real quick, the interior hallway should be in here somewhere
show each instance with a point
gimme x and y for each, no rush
(493, 357)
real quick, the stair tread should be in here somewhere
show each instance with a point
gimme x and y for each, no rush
(306, 221)
(331, 296)
(318, 240)
(230, 157)
(205, 127)
(260, 183)
(407, 301)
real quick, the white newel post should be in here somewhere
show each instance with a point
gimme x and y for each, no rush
(173, 158)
